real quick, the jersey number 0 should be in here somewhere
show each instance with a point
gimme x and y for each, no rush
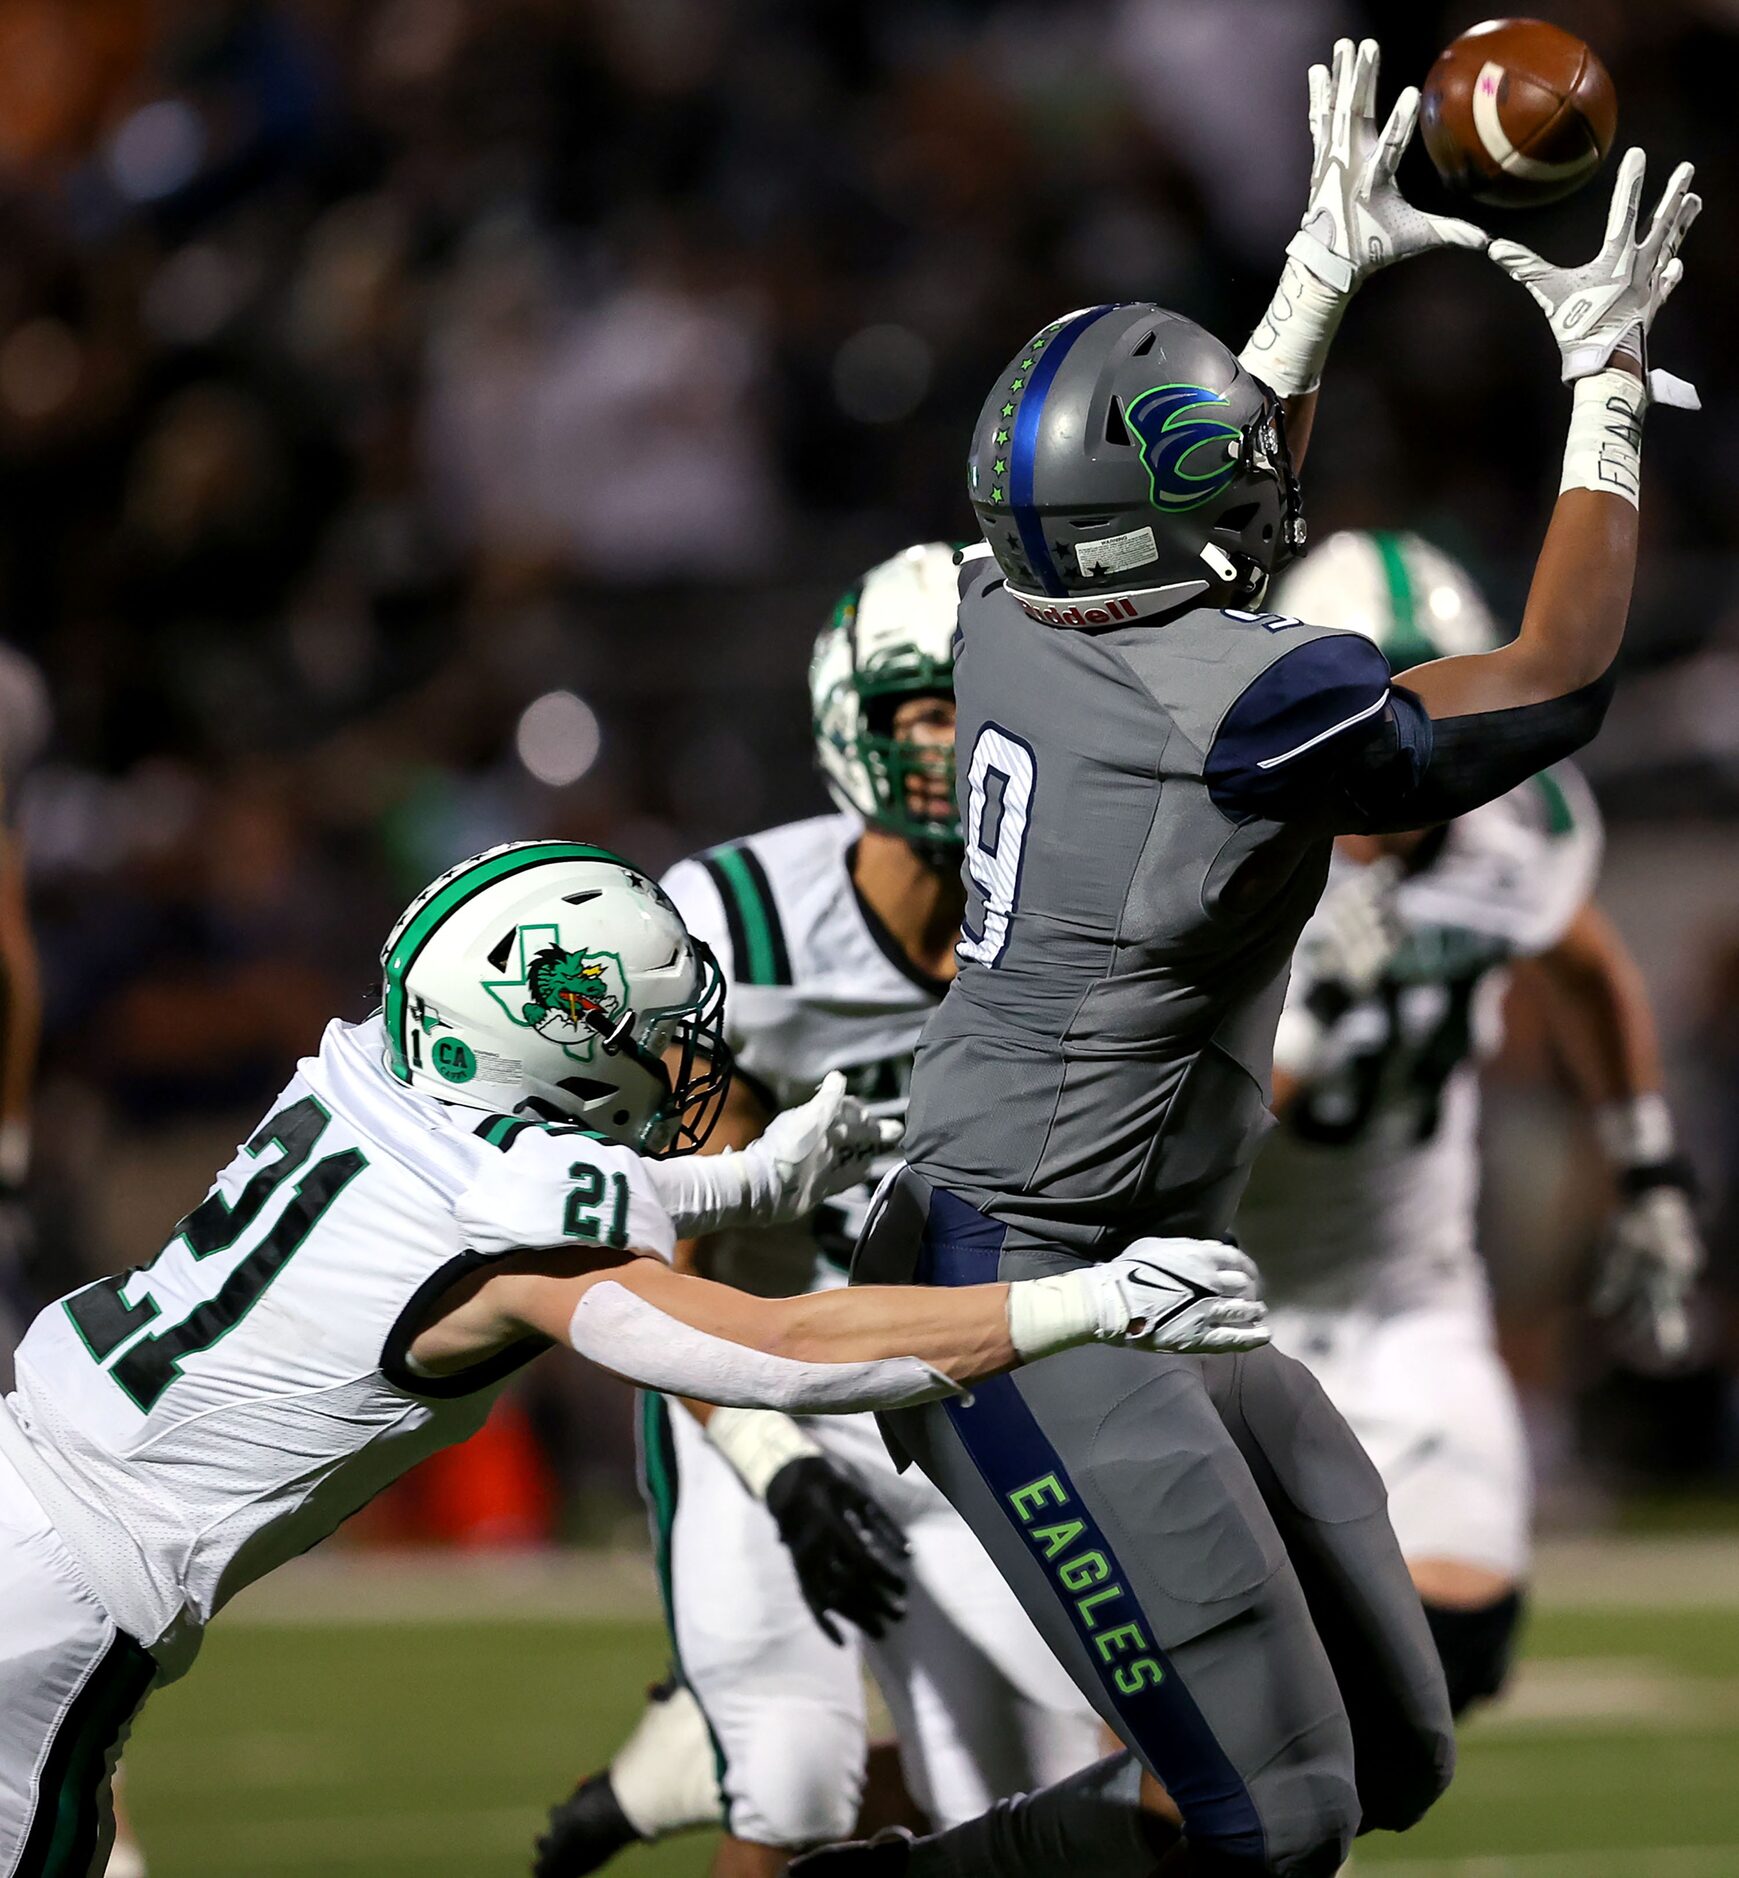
(999, 799)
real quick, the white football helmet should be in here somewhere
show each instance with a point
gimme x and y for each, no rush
(1411, 598)
(552, 978)
(889, 639)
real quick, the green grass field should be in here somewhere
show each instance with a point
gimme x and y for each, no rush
(427, 1742)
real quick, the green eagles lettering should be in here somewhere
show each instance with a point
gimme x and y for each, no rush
(1101, 1602)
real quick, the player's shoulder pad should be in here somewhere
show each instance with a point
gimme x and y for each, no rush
(1276, 734)
(726, 897)
(540, 1185)
(696, 897)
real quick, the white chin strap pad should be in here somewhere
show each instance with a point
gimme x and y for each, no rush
(619, 1330)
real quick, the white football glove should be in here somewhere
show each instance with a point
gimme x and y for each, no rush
(812, 1151)
(1356, 219)
(1611, 303)
(1648, 1269)
(1193, 1296)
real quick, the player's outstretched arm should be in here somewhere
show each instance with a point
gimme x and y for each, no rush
(1602, 1020)
(1600, 316)
(1355, 221)
(1325, 736)
(872, 1346)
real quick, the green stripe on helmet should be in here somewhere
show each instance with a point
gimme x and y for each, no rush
(1560, 817)
(1411, 643)
(462, 887)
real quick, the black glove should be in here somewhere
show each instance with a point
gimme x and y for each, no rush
(850, 1556)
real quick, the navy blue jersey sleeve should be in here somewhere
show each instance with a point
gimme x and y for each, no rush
(1282, 750)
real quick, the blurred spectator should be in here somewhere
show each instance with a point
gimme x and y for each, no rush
(426, 422)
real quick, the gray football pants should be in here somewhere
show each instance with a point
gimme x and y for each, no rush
(1205, 1546)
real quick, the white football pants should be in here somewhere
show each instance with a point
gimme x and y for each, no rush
(981, 1707)
(70, 1685)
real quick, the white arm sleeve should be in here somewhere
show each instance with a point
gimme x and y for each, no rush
(618, 1329)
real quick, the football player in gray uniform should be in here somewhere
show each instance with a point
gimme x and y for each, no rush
(1151, 770)
(792, 1555)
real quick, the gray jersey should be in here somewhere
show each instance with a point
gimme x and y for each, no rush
(1100, 1067)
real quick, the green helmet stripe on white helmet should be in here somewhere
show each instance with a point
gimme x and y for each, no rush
(1407, 641)
(423, 918)
(556, 980)
(1392, 587)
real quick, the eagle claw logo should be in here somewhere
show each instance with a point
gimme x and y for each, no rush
(1168, 421)
(562, 994)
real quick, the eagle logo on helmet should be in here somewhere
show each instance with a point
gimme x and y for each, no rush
(562, 994)
(1184, 451)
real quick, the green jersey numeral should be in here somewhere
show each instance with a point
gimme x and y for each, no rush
(105, 1320)
(582, 1217)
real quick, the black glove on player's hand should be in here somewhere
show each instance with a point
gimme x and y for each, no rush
(850, 1556)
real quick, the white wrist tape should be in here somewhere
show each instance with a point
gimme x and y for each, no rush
(757, 1443)
(1046, 1315)
(1289, 347)
(703, 1193)
(1636, 1132)
(619, 1330)
(1604, 449)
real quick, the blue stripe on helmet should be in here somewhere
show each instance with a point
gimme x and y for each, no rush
(1025, 446)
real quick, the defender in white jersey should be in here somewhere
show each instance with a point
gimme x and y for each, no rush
(1361, 1206)
(836, 937)
(438, 1194)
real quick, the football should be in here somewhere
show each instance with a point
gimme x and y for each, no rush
(1517, 113)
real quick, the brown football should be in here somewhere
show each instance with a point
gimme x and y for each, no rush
(1517, 112)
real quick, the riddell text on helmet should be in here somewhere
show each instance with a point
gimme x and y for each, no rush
(1107, 615)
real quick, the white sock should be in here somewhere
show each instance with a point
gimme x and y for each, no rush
(663, 1775)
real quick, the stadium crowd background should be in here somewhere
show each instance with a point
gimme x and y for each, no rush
(430, 422)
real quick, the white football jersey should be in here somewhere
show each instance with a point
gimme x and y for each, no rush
(193, 1423)
(814, 983)
(1365, 1193)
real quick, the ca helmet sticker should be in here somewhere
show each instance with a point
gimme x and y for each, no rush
(559, 993)
(1185, 449)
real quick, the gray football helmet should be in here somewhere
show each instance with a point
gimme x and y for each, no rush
(1126, 466)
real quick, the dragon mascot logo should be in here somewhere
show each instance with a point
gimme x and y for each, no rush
(1187, 454)
(560, 994)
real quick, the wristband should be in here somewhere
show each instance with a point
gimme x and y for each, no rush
(1290, 345)
(1636, 1130)
(1603, 451)
(1637, 1138)
(1046, 1315)
(757, 1443)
